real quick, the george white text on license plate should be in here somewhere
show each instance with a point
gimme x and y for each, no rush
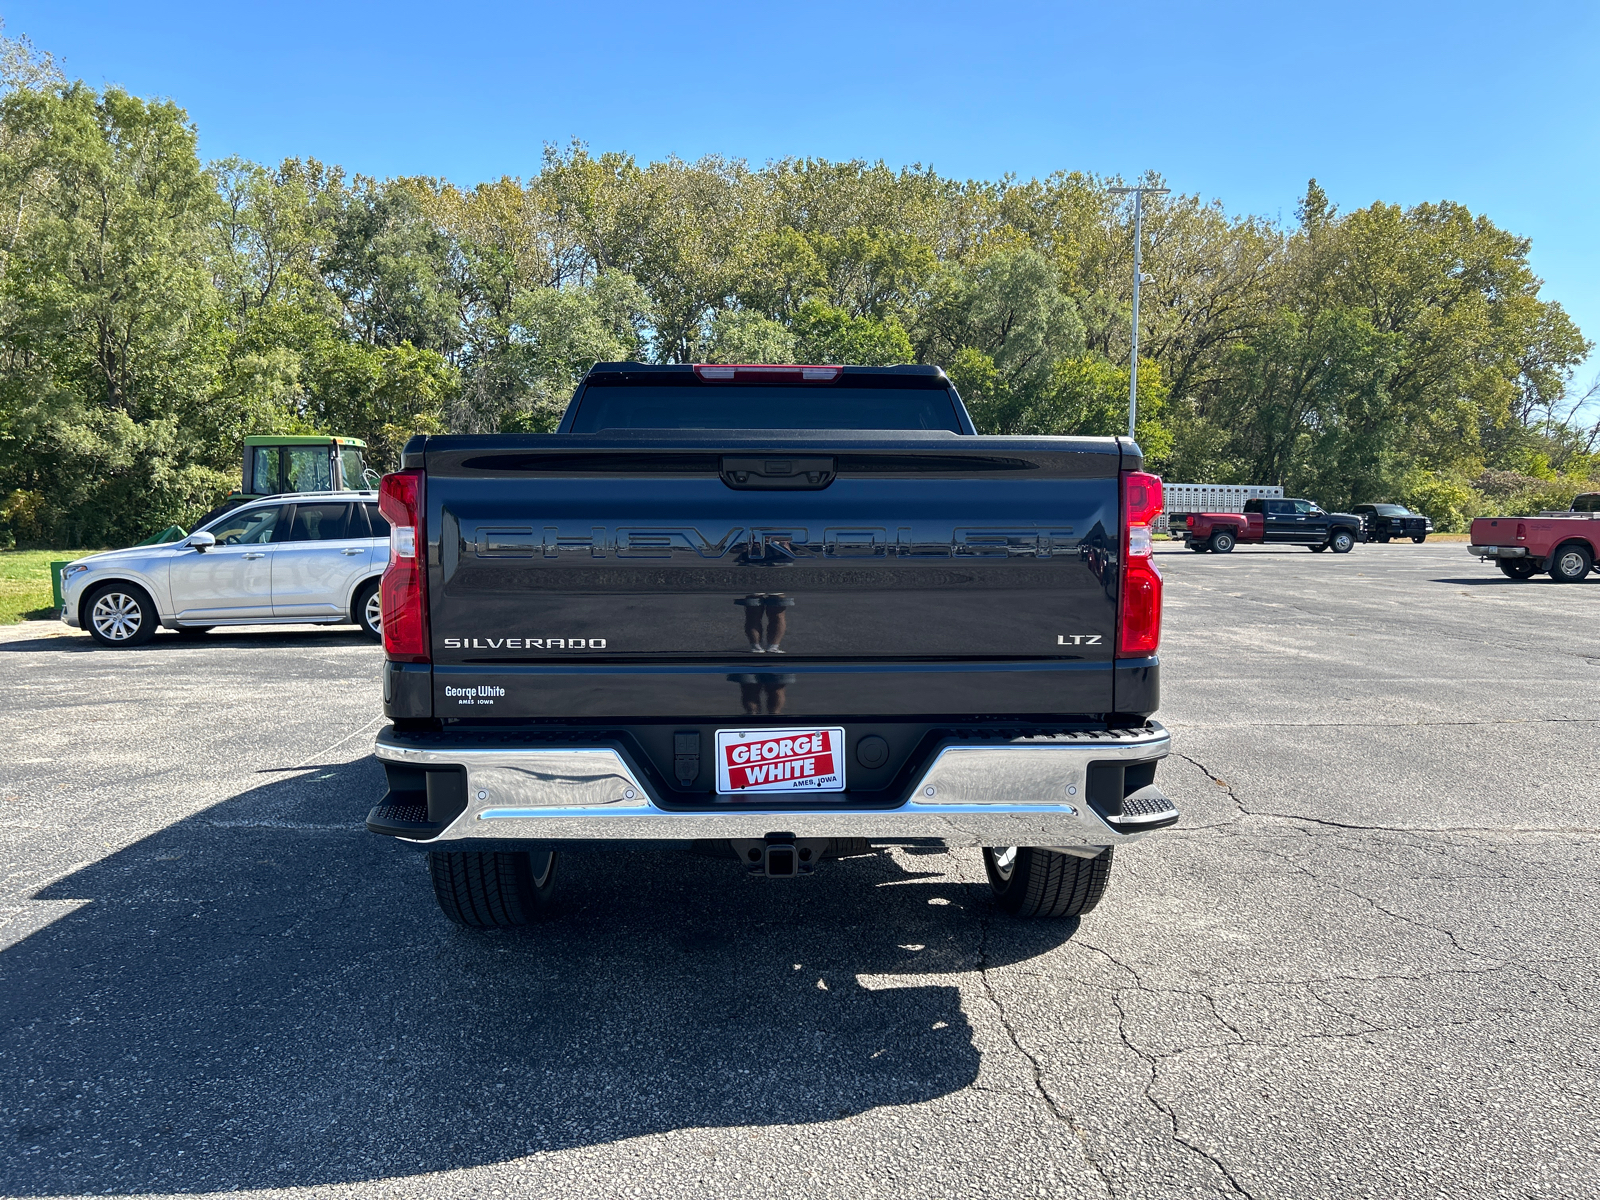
(780, 760)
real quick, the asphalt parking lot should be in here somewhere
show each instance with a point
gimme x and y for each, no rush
(1364, 965)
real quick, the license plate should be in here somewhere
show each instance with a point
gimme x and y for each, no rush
(780, 760)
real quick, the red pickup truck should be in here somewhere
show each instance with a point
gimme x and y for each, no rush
(1563, 543)
(1279, 522)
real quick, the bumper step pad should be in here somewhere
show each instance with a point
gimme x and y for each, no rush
(1147, 808)
(403, 818)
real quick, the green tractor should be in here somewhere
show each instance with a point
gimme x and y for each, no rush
(278, 463)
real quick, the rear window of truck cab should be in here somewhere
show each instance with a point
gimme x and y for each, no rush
(685, 402)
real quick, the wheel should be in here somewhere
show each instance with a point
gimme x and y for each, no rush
(1517, 568)
(1570, 563)
(364, 611)
(1031, 882)
(1319, 548)
(1420, 540)
(1340, 541)
(1383, 539)
(1222, 542)
(120, 614)
(1199, 547)
(194, 630)
(486, 889)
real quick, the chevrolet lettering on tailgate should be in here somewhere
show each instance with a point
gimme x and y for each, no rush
(780, 760)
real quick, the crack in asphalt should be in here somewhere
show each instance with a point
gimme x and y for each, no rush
(1219, 781)
(1376, 906)
(1058, 1110)
(1355, 827)
(1152, 1063)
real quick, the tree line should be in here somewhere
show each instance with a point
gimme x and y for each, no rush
(155, 309)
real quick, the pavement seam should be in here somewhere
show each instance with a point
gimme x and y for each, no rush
(1299, 866)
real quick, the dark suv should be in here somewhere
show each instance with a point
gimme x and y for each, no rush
(1385, 521)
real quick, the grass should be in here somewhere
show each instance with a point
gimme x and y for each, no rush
(25, 583)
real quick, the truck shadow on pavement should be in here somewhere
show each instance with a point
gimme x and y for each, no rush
(264, 995)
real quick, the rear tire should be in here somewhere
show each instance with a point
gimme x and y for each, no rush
(1319, 548)
(1420, 540)
(1341, 541)
(482, 889)
(1570, 563)
(1383, 539)
(1031, 882)
(1517, 568)
(1222, 542)
(120, 615)
(1199, 547)
(364, 611)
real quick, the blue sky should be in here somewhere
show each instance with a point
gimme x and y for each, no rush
(1492, 105)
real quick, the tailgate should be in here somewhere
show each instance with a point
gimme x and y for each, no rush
(552, 553)
(1496, 531)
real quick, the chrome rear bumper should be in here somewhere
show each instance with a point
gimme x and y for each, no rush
(1031, 792)
(1498, 551)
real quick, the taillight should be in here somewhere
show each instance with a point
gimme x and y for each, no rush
(404, 589)
(1139, 605)
(765, 373)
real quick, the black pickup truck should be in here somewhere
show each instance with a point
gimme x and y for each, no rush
(1387, 521)
(777, 611)
(1274, 522)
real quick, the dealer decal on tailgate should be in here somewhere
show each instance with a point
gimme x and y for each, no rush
(780, 760)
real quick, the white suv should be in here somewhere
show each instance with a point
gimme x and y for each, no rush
(310, 557)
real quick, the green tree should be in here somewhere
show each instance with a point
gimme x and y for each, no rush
(554, 336)
(1002, 325)
(108, 323)
(739, 335)
(1088, 397)
(831, 335)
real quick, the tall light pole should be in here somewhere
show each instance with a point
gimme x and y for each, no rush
(1138, 194)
